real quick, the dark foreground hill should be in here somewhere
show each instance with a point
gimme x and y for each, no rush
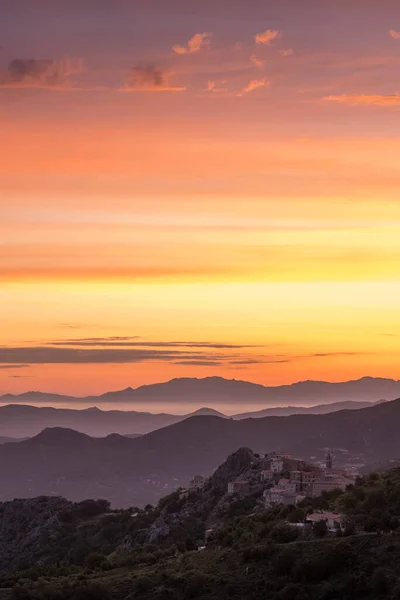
(52, 549)
(136, 471)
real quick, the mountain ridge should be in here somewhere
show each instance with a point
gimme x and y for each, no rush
(25, 420)
(135, 471)
(152, 390)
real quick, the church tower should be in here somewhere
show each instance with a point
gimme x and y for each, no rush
(328, 460)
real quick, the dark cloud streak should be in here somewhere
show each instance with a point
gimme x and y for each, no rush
(14, 366)
(127, 342)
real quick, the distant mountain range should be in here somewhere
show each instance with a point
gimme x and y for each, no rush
(212, 390)
(136, 471)
(18, 420)
(21, 421)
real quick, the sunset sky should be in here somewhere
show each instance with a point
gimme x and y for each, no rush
(198, 187)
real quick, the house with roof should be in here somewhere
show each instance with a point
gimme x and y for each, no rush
(333, 520)
(277, 495)
(267, 475)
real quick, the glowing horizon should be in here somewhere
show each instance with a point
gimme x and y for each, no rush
(202, 180)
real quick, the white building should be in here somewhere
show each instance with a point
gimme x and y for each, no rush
(275, 496)
(333, 520)
(267, 475)
(277, 464)
(289, 486)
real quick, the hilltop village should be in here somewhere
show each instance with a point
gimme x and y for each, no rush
(248, 483)
(282, 478)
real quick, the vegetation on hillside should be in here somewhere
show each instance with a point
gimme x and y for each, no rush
(93, 552)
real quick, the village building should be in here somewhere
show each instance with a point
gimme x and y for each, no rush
(326, 484)
(267, 475)
(289, 486)
(275, 496)
(333, 520)
(277, 464)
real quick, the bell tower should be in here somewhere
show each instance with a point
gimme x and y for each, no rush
(328, 460)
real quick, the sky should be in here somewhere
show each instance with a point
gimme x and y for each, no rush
(198, 188)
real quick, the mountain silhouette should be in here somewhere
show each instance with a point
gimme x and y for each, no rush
(136, 471)
(19, 419)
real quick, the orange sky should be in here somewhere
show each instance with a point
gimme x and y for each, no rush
(221, 193)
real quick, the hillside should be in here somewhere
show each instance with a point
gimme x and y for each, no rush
(319, 409)
(53, 549)
(130, 471)
(18, 420)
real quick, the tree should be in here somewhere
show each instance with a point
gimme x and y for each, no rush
(320, 529)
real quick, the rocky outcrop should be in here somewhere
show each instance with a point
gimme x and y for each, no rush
(232, 468)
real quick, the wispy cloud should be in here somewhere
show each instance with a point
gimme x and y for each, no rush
(149, 78)
(136, 342)
(267, 36)
(254, 84)
(394, 34)
(287, 52)
(212, 87)
(195, 44)
(258, 62)
(69, 325)
(40, 73)
(256, 361)
(392, 100)
(199, 363)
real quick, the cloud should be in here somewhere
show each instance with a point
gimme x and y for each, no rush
(21, 376)
(255, 361)
(258, 62)
(212, 87)
(253, 85)
(58, 355)
(175, 352)
(199, 363)
(195, 44)
(394, 34)
(365, 100)
(69, 325)
(135, 343)
(40, 73)
(287, 52)
(149, 78)
(267, 36)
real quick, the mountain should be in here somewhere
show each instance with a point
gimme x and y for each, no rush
(135, 471)
(320, 409)
(19, 419)
(8, 440)
(206, 412)
(211, 391)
